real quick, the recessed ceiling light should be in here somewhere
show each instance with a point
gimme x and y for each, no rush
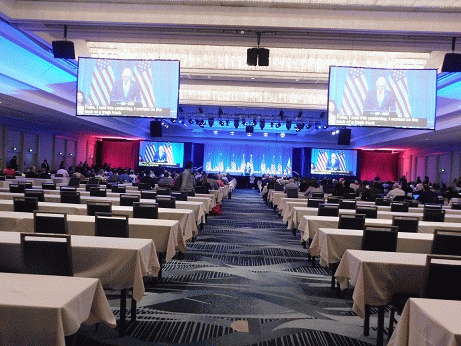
(265, 134)
(282, 134)
(232, 133)
(215, 132)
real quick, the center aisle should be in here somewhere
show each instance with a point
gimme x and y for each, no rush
(245, 266)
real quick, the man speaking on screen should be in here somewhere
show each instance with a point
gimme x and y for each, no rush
(127, 89)
(381, 100)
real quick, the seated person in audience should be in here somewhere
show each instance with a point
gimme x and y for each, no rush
(212, 181)
(427, 195)
(203, 181)
(451, 193)
(371, 192)
(313, 188)
(291, 184)
(31, 172)
(303, 185)
(166, 181)
(339, 189)
(9, 171)
(362, 188)
(354, 185)
(63, 172)
(348, 188)
(396, 191)
(225, 179)
(115, 177)
(77, 175)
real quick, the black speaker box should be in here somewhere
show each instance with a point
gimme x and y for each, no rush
(249, 129)
(263, 57)
(63, 49)
(156, 129)
(344, 137)
(252, 56)
(452, 62)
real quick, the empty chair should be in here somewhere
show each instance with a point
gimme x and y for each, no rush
(328, 210)
(351, 221)
(382, 201)
(278, 187)
(98, 192)
(446, 242)
(315, 202)
(370, 212)
(432, 206)
(179, 196)
(50, 222)
(166, 202)
(349, 195)
(118, 189)
(145, 210)
(412, 203)
(144, 186)
(48, 186)
(439, 200)
(317, 195)
(406, 223)
(191, 193)
(17, 188)
(70, 197)
(440, 277)
(94, 181)
(434, 215)
(201, 189)
(128, 200)
(380, 238)
(334, 199)
(347, 204)
(46, 254)
(98, 207)
(68, 188)
(456, 205)
(399, 198)
(88, 187)
(148, 194)
(399, 207)
(292, 192)
(163, 191)
(25, 204)
(35, 193)
(111, 226)
(74, 181)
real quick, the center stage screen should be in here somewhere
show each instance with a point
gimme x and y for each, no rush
(247, 159)
(334, 162)
(161, 154)
(360, 96)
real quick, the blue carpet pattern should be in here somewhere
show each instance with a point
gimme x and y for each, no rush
(245, 265)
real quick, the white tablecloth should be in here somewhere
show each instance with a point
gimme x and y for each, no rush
(42, 310)
(330, 244)
(428, 322)
(119, 263)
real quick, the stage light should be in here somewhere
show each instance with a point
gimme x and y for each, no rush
(308, 126)
(299, 126)
(282, 135)
(211, 121)
(183, 121)
(262, 123)
(254, 121)
(221, 122)
(197, 121)
(281, 115)
(200, 110)
(232, 133)
(220, 112)
(236, 123)
(300, 114)
(191, 121)
(278, 125)
(322, 115)
(227, 122)
(181, 109)
(333, 133)
(325, 127)
(173, 121)
(202, 123)
(215, 132)
(272, 124)
(288, 124)
(265, 134)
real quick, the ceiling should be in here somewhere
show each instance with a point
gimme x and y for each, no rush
(357, 31)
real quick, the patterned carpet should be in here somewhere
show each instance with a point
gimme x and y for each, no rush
(247, 268)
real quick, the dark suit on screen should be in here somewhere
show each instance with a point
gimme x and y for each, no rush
(386, 105)
(132, 92)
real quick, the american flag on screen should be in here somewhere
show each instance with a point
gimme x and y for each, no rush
(354, 92)
(150, 153)
(101, 84)
(289, 170)
(322, 160)
(169, 153)
(143, 74)
(342, 161)
(399, 85)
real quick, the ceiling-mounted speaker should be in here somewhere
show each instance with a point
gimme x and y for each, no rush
(63, 49)
(452, 62)
(344, 137)
(263, 57)
(156, 128)
(252, 56)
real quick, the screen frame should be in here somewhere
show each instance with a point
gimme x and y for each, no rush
(335, 175)
(128, 116)
(383, 127)
(160, 166)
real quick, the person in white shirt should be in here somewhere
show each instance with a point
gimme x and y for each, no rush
(63, 172)
(396, 191)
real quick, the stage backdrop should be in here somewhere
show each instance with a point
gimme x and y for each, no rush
(118, 153)
(247, 159)
(383, 164)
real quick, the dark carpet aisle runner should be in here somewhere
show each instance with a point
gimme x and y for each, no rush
(246, 270)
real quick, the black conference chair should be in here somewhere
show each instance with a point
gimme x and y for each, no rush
(439, 200)
(380, 238)
(328, 210)
(144, 186)
(74, 181)
(162, 191)
(314, 202)
(317, 195)
(70, 197)
(98, 192)
(50, 222)
(432, 206)
(292, 192)
(278, 187)
(370, 212)
(145, 210)
(50, 256)
(347, 204)
(334, 199)
(201, 189)
(446, 242)
(68, 189)
(39, 194)
(351, 221)
(88, 187)
(399, 198)
(111, 225)
(166, 202)
(48, 186)
(191, 193)
(399, 207)
(456, 205)
(406, 223)
(434, 215)
(98, 207)
(148, 194)
(118, 189)
(127, 200)
(349, 195)
(383, 201)
(179, 196)
(94, 181)
(25, 204)
(17, 188)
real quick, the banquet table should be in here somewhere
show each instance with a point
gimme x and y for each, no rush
(428, 322)
(42, 310)
(118, 262)
(164, 233)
